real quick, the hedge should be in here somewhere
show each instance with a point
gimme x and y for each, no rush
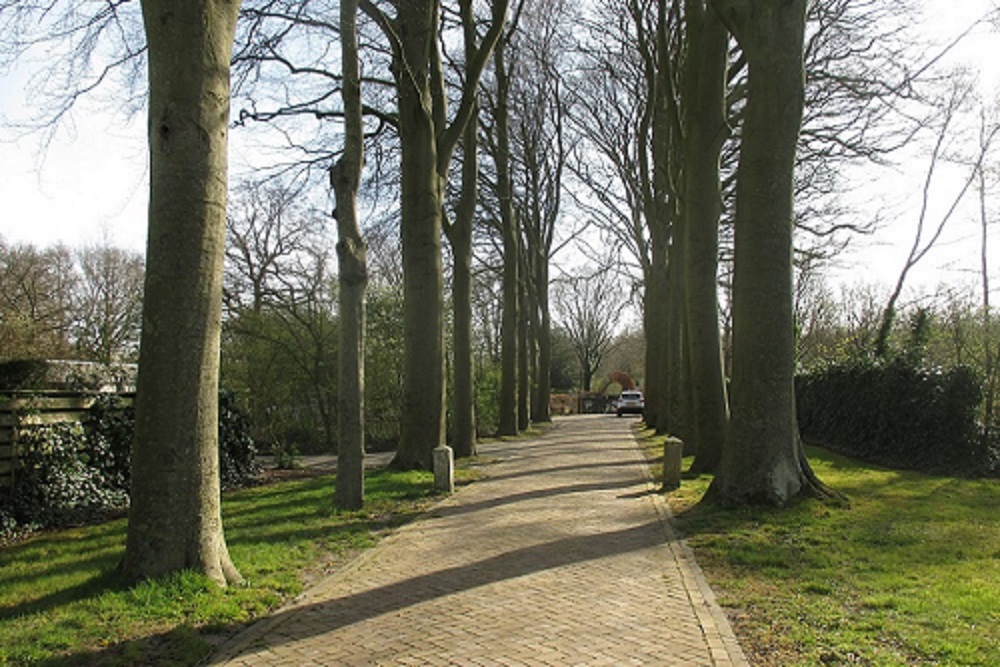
(897, 413)
(75, 472)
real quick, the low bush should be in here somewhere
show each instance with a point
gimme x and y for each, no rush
(73, 472)
(896, 413)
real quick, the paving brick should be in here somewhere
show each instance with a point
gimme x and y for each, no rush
(561, 556)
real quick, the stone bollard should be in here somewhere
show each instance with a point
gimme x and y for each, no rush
(444, 469)
(673, 452)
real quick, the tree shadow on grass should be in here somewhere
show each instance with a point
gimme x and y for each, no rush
(106, 580)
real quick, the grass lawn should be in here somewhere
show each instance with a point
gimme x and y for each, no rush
(908, 574)
(61, 604)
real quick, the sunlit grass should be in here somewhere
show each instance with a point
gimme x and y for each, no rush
(61, 601)
(908, 574)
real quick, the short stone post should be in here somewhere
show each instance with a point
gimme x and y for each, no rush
(444, 469)
(673, 452)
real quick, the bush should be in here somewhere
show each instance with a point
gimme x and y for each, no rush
(73, 472)
(237, 464)
(895, 413)
(60, 479)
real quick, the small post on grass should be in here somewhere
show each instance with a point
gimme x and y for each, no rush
(673, 452)
(444, 469)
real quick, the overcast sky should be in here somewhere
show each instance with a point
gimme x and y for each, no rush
(91, 183)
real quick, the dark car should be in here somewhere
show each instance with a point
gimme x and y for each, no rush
(630, 403)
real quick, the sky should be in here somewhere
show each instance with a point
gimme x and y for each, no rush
(90, 186)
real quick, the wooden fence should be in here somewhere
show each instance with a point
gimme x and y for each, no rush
(23, 410)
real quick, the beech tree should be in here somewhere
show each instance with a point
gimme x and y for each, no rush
(175, 519)
(627, 108)
(589, 307)
(345, 177)
(511, 243)
(705, 130)
(36, 300)
(539, 108)
(428, 139)
(109, 303)
(763, 461)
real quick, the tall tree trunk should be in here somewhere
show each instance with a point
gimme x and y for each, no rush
(705, 132)
(525, 353)
(663, 123)
(676, 401)
(511, 255)
(654, 317)
(428, 143)
(345, 178)
(541, 411)
(175, 520)
(423, 415)
(763, 462)
(464, 409)
(460, 238)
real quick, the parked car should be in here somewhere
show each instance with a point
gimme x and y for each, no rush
(630, 403)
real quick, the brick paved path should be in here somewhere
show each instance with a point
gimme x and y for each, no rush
(561, 557)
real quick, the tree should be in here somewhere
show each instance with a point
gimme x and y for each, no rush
(627, 108)
(589, 308)
(540, 152)
(459, 232)
(705, 130)
(987, 129)
(763, 461)
(345, 177)
(269, 238)
(175, 518)
(428, 141)
(511, 235)
(36, 301)
(109, 303)
(922, 245)
(281, 333)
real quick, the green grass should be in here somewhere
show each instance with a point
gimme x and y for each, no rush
(908, 574)
(62, 604)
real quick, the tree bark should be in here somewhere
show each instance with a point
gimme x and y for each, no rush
(428, 142)
(460, 238)
(525, 353)
(175, 520)
(676, 400)
(705, 131)
(423, 415)
(511, 255)
(763, 462)
(660, 120)
(345, 178)
(541, 410)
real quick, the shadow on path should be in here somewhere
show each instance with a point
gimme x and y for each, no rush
(309, 620)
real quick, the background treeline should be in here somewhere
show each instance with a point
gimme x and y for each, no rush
(279, 345)
(929, 404)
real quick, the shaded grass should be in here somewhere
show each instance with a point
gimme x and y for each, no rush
(909, 574)
(61, 602)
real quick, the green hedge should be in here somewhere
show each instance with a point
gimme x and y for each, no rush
(75, 472)
(896, 413)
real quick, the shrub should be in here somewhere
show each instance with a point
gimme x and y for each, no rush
(77, 471)
(237, 452)
(895, 413)
(60, 479)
